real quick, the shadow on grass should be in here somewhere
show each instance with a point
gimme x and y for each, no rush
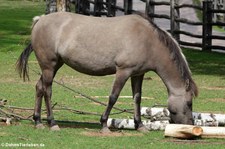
(206, 63)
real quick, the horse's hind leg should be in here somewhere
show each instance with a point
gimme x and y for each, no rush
(48, 76)
(38, 103)
(136, 83)
(44, 88)
(121, 78)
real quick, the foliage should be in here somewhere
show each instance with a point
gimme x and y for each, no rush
(15, 20)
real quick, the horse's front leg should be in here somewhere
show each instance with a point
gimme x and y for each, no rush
(121, 78)
(136, 83)
(38, 103)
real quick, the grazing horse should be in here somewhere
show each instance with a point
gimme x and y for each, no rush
(127, 46)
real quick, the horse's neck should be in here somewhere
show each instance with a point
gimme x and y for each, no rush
(172, 79)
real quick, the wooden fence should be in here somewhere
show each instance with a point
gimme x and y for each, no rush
(207, 23)
(102, 7)
(109, 8)
(220, 5)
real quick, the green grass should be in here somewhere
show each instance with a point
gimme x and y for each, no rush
(15, 19)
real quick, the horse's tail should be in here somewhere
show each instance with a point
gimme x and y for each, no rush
(22, 64)
(35, 20)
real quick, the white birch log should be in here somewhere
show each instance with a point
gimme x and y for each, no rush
(182, 131)
(129, 124)
(7, 120)
(200, 119)
(155, 114)
(156, 125)
(213, 132)
(209, 119)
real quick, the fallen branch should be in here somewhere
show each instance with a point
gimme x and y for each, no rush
(13, 115)
(90, 98)
(19, 108)
(125, 97)
(78, 111)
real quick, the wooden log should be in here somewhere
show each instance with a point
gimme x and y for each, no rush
(129, 124)
(3, 102)
(156, 125)
(121, 123)
(213, 132)
(7, 120)
(155, 113)
(209, 119)
(200, 119)
(183, 131)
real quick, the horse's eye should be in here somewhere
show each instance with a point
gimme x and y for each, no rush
(189, 103)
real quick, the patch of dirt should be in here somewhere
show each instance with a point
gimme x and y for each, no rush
(112, 134)
(217, 99)
(3, 124)
(214, 87)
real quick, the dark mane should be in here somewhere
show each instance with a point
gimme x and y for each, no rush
(176, 55)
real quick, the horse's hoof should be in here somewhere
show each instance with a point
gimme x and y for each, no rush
(143, 129)
(40, 126)
(105, 130)
(55, 128)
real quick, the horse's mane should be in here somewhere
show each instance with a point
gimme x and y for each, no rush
(176, 55)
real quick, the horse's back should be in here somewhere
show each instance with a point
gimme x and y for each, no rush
(91, 45)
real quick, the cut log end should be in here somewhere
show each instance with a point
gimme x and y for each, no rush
(197, 131)
(183, 131)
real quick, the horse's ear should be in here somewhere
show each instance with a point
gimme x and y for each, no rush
(191, 86)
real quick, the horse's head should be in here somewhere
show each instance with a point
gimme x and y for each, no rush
(180, 108)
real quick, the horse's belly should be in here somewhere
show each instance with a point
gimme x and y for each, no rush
(90, 67)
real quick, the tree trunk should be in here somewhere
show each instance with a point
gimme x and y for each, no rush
(57, 5)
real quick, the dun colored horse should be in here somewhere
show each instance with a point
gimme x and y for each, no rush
(127, 46)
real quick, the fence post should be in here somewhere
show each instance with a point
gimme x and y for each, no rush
(82, 7)
(150, 8)
(207, 26)
(111, 8)
(98, 6)
(128, 6)
(174, 13)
